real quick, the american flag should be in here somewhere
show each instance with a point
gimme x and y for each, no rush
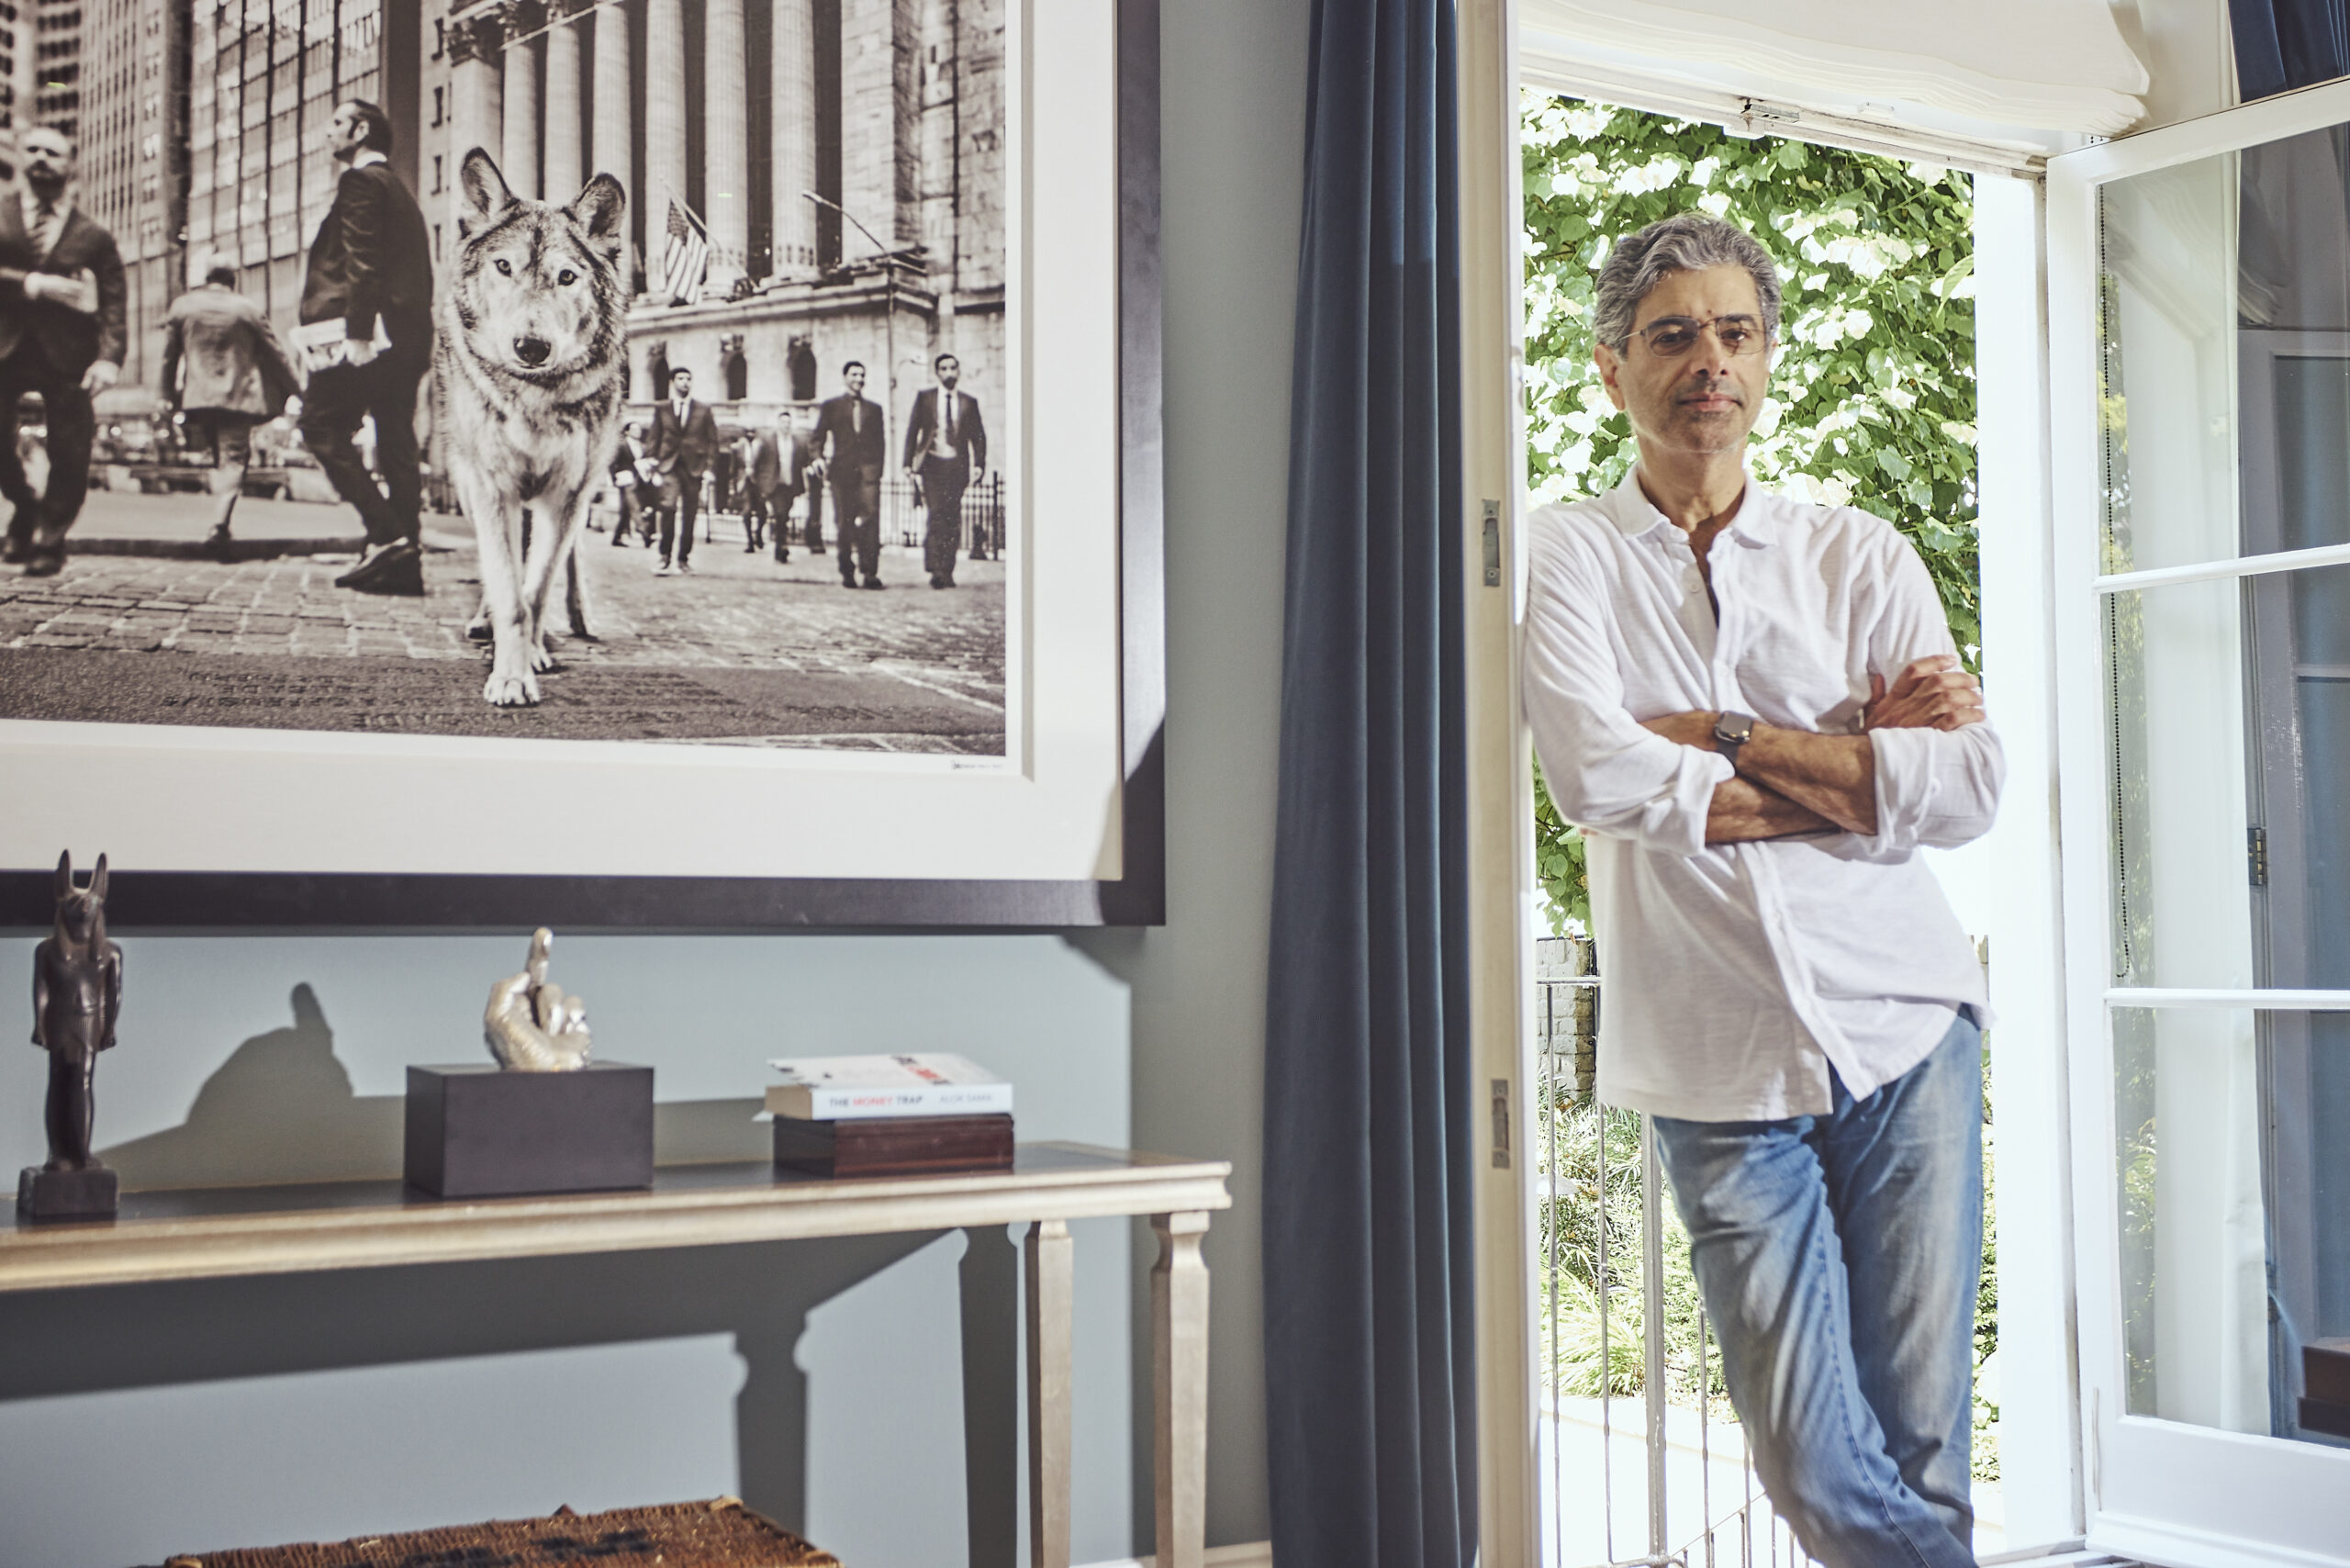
(684, 257)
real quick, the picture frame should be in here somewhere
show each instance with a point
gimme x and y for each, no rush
(1067, 830)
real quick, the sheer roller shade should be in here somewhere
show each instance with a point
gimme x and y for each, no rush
(2049, 65)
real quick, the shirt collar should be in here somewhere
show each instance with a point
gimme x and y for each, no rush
(1630, 508)
(366, 157)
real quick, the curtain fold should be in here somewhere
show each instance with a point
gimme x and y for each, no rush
(2284, 44)
(1370, 1368)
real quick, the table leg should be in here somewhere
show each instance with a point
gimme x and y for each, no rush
(1179, 1357)
(1048, 1380)
(990, 1278)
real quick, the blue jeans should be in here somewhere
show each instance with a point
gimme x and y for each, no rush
(1837, 1256)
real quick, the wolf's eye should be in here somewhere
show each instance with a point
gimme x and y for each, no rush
(566, 277)
(505, 266)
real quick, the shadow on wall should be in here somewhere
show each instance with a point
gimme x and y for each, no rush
(281, 1109)
(150, 1336)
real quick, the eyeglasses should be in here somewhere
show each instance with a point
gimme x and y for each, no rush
(1670, 337)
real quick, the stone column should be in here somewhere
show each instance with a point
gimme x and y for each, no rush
(792, 146)
(564, 176)
(664, 125)
(726, 131)
(477, 106)
(520, 159)
(880, 124)
(608, 150)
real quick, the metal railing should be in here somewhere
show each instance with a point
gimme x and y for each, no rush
(1589, 1196)
(904, 517)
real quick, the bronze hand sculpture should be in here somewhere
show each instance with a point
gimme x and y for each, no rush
(78, 994)
(531, 1024)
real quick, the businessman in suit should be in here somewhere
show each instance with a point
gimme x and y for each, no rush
(62, 310)
(947, 449)
(366, 339)
(778, 461)
(685, 438)
(850, 448)
(629, 481)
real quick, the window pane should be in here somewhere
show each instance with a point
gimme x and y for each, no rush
(2167, 365)
(2231, 1135)
(2182, 901)
(2225, 368)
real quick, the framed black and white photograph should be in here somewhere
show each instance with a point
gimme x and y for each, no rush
(663, 464)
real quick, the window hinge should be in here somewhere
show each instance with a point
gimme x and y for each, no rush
(1501, 1123)
(1492, 544)
(2258, 850)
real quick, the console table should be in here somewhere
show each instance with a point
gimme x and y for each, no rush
(351, 1225)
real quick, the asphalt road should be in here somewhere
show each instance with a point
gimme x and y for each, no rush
(742, 650)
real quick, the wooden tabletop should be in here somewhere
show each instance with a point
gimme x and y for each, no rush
(208, 1233)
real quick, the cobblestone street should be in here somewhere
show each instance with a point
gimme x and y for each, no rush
(742, 650)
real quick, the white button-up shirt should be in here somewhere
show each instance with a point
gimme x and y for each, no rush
(1737, 974)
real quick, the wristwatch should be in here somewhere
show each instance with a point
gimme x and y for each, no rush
(1732, 730)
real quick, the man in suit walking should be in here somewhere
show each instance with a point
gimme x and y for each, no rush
(62, 309)
(685, 438)
(225, 372)
(947, 449)
(366, 339)
(629, 481)
(773, 481)
(851, 447)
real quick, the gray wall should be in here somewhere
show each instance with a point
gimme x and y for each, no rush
(822, 1382)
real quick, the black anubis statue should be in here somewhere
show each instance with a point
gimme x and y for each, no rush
(78, 994)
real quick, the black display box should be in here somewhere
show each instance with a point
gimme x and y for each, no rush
(479, 1131)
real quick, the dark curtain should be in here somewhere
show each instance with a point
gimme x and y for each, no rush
(1370, 1370)
(2284, 44)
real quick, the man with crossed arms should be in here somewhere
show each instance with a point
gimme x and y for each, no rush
(1754, 707)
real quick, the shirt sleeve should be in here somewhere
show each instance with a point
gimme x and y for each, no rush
(364, 235)
(1934, 788)
(1606, 774)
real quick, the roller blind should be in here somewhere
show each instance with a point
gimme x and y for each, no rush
(2041, 65)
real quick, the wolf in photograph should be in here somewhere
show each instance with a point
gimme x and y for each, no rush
(532, 362)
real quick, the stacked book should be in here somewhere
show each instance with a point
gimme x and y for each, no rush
(890, 1115)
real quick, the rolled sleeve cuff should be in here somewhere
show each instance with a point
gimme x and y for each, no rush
(1907, 784)
(1675, 823)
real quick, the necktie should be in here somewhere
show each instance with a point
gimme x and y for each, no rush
(949, 398)
(856, 416)
(45, 227)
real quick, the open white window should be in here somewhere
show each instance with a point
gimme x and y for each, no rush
(2200, 344)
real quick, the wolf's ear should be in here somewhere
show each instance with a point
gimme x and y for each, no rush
(98, 881)
(601, 212)
(65, 874)
(486, 193)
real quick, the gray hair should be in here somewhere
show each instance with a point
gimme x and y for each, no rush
(1686, 241)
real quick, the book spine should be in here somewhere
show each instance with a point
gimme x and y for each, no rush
(820, 1104)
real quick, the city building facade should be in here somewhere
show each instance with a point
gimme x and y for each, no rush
(57, 63)
(16, 64)
(133, 154)
(265, 78)
(846, 160)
